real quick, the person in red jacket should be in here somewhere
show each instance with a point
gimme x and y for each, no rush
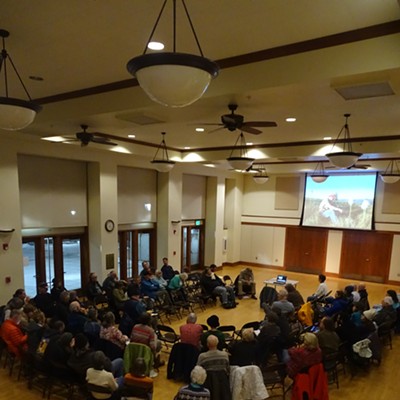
(13, 335)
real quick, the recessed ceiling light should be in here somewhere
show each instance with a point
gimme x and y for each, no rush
(155, 46)
(73, 212)
(199, 129)
(249, 144)
(131, 136)
(186, 148)
(327, 137)
(209, 165)
(290, 119)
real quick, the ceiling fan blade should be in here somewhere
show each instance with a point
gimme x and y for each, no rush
(103, 140)
(251, 130)
(206, 123)
(260, 124)
(216, 129)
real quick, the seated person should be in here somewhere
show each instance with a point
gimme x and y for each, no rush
(196, 389)
(158, 277)
(356, 314)
(143, 333)
(148, 287)
(110, 282)
(82, 358)
(213, 323)
(12, 334)
(99, 376)
(191, 332)
(44, 301)
(322, 289)
(328, 339)
(294, 296)
(243, 352)
(217, 287)
(338, 304)
(362, 291)
(92, 326)
(133, 309)
(93, 289)
(109, 331)
(76, 319)
(119, 295)
(136, 382)
(246, 284)
(395, 298)
(304, 356)
(282, 304)
(214, 359)
(386, 313)
(269, 339)
(177, 281)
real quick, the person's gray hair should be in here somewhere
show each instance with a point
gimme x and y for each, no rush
(184, 276)
(282, 293)
(191, 318)
(75, 306)
(212, 341)
(248, 334)
(198, 375)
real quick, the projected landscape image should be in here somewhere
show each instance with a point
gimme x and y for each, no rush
(342, 201)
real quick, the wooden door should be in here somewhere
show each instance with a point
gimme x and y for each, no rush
(366, 255)
(305, 249)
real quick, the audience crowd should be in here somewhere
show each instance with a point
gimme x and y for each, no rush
(86, 338)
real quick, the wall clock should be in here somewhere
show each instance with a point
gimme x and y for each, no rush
(109, 225)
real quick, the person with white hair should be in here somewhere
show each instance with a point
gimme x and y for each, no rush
(195, 390)
(282, 305)
(386, 314)
(76, 319)
(177, 281)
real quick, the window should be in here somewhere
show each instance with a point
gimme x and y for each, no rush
(60, 257)
(139, 246)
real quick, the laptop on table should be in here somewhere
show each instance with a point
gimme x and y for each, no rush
(281, 280)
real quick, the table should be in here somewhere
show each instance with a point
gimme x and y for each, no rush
(272, 282)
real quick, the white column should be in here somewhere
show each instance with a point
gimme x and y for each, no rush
(102, 205)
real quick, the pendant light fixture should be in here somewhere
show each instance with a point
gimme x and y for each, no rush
(319, 175)
(392, 172)
(15, 113)
(162, 164)
(261, 175)
(171, 78)
(346, 158)
(240, 162)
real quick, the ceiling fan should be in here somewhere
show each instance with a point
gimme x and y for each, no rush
(355, 166)
(234, 121)
(86, 137)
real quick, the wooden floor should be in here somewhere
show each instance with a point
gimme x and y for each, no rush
(380, 383)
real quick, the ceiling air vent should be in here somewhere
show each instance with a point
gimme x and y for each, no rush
(365, 91)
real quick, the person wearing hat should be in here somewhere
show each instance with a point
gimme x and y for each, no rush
(213, 323)
(386, 313)
(43, 300)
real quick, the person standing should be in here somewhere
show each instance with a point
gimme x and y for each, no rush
(167, 271)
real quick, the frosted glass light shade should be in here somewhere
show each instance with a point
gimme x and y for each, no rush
(343, 159)
(260, 179)
(390, 178)
(319, 178)
(240, 163)
(16, 114)
(173, 79)
(163, 165)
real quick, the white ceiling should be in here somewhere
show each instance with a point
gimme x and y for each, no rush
(75, 45)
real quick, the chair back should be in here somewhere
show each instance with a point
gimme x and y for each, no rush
(135, 350)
